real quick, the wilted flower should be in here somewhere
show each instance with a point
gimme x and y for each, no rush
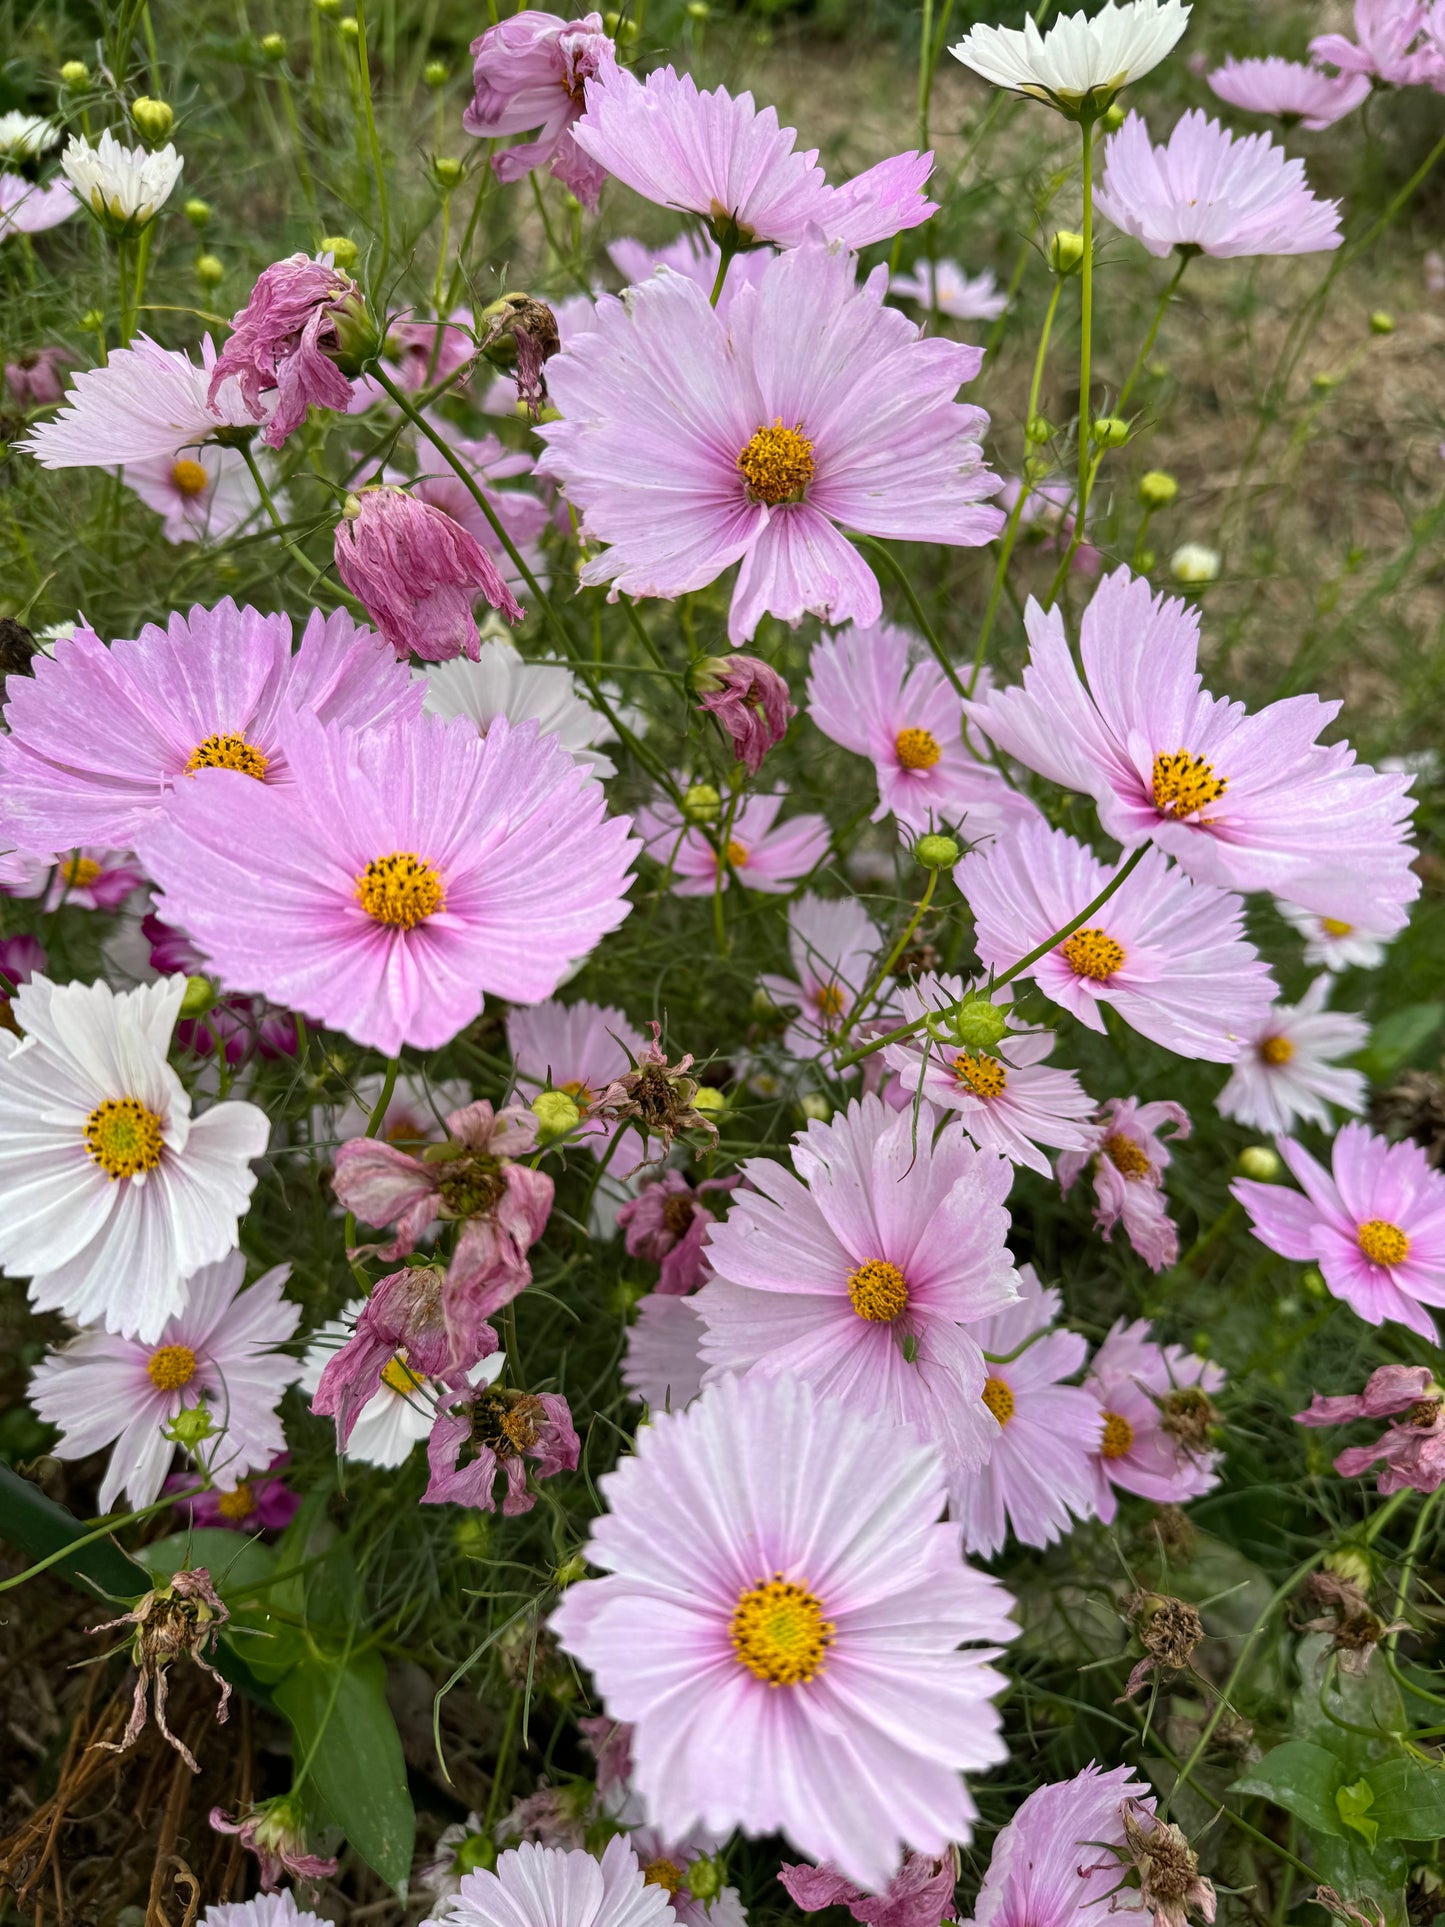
(384, 1359)
(657, 1096)
(1129, 1159)
(531, 328)
(124, 187)
(532, 71)
(667, 1223)
(275, 1831)
(1158, 1416)
(1345, 1613)
(750, 702)
(303, 317)
(1080, 63)
(418, 573)
(183, 1617)
(1412, 1451)
(1170, 1883)
(920, 1894)
(1168, 1629)
(480, 1433)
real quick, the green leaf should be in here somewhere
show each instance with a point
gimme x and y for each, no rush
(40, 1527)
(349, 1750)
(1409, 1800)
(1353, 1804)
(231, 1559)
(1397, 1038)
(1301, 1778)
(1367, 1880)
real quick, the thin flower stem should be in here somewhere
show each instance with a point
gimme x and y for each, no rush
(274, 516)
(895, 569)
(112, 1523)
(1086, 318)
(724, 263)
(378, 165)
(724, 844)
(1153, 335)
(885, 969)
(383, 1102)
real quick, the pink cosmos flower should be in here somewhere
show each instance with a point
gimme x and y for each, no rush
(275, 1832)
(778, 1589)
(421, 353)
(1157, 1416)
(200, 497)
(405, 871)
(944, 286)
(832, 942)
(33, 378)
(719, 157)
(667, 1224)
(100, 736)
(263, 1502)
(1168, 954)
(876, 693)
(523, 515)
(749, 700)
(26, 208)
(1413, 1451)
(1129, 1158)
(920, 1894)
(1010, 1102)
(1207, 190)
(690, 443)
(1288, 1068)
(759, 856)
(1244, 802)
(1385, 33)
(554, 1887)
(662, 1364)
(1286, 88)
(20, 958)
(610, 1744)
(418, 573)
(1357, 941)
(577, 1048)
(532, 71)
(1047, 1869)
(1374, 1224)
(480, 1433)
(146, 404)
(860, 1274)
(90, 878)
(1039, 1476)
(220, 1352)
(286, 339)
(665, 1861)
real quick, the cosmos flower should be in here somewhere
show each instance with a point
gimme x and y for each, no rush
(577, 1048)
(420, 353)
(1289, 90)
(1412, 1450)
(301, 318)
(667, 1224)
(860, 1274)
(501, 683)
(777, 1583)
(694, 255)
(145, 404)
(33, 377)
(1338, 943)
(749, 701)
(832, 942)
(388, 1422)
(1206, 189)
(125, 187)
(266, 1910)
(943, 285)
(28, 209)
(689, 443)
(481, 1434)
(1052, 1865)
(90, 878)
(1386, 31)
(532, 71)
(1289, 1068)
(23, 137)
(204, 496)
(1079, 60)
(759, 855)
(662, 1364)
(115, 1193)
(406, 872)
(1128, 1156)
(1374, 1224)
(261, 1502)
(536, 1886)
(1157, 1419)
(418, 573)
(275, 1832)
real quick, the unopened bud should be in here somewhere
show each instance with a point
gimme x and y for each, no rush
(1260, 1162)
(447, 171)
(1312, 1282)
(273, 46)
(199, 997)
(1037, 468)
(556, 1113)
(342, 249)
(978, 1023)
(153, 119)
(1324, 381)
(93, 319)
(476, 1851)
(936, 852)
(1038, 429)
(351, 508)
(74, 74)
(436, 73)
(210, 270)
(1194, 562)
(1112, 117)
(707, 1097)
(1066, 251)
(1382, 323)
(1110, 431)
(1157, 489)
(763, 1007)
(197, 212)
(701, 803)
(348, 27)
(190, 1427)
(815, 1107)
(705, 1879)
(327, 6)
(1352, 1563)
(697, 10)
(569, 1571)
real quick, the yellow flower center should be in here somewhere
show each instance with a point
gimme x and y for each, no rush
(1332, 927)
(228, 749)
(779, 1633)
(662, 1873)
(737, 855)
(777, 464)
(400, 1377)
(171, 1367)
(878, 1290)
(828, 998)
(984, 1076)
(400, 890)
(917, 748)
(999, 1399)
(1185, 784)
(1126, 1156)
(123, 1137)
(236, 1505)
(580, 1094)
(1118, 1435)
(1276, 1050)
(189, 477)
(1093, 953)
(79, 872)
(1383, 1243)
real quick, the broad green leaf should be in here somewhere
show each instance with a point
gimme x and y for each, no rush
(1368, 1880)
(1353, 1804)
(1396, 1039)
(1302, 1778)
(41, 1527)
(1409, 1799)
(349, 1750)
(231, 1559)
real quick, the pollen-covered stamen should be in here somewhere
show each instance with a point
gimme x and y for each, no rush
(662, 1873)
(1333, 927)
(228, 749)
(879, 1291)
(737, 855)
(998, 1397)
(777, 464)
(917, 748)
(400, 890)
(828, 1000)
(124, 1137)
(1126, 1156)
(399, 1376)
(1118, 1436)
(779, 1632)
(1093, 954)
(236, 1505)
(1383, 1243)
(189, 477)
(983, 1075)
(1185, 784)
(171, 1367)
(1276, 1051)
(79, 872)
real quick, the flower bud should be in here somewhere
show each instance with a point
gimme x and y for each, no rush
(190, 1427)
(1324, 381)
(701, 803)
(815, 1106)
(342, 249)
(570, 1570)
(210, 270)
(936, 852)
(1110, 431)
(447, 171)
(436, 73)
(197, 212)
(1351, 1563)
(1312, 1282)
(1037, 468)
(1260, 1162)
(74, 74)
(273, 46)
(153, 119)
(1193, 562)
(1112, 118)
(1157, 489)
(707, 1097)
(476, 1851)
(327, 6)
(697, 10)
(1038, 429)
(349, 27)
(705, 1876)
(1147, 559)
(93, 319)
(1382, 323)
(1066, 251)
(763, 1008)
(978, 1023)
(200, 996)
(556, 1113)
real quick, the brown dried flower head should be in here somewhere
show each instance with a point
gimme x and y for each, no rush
(181, 1620)
(1168, 1629)
(659, 1097)
(1170, 1883)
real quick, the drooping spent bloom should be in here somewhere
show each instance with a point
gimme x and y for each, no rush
(1007, 1100)
(577, 1048)
(658, 1097)
(124, 187)
(33, 376)
(920, 1894)
(1374, 1224)
(719, 157)
(115, 1192)
(1289, 90)
(304, 318)
(532, 71)
(100, 736)
(500, 682)
(418, 573)
(201, 497)
(524, 516)
(945, 287)
(689, 443)
(1168, 954)
(758, 856)
(832, 942)
(774, 1562)
(1079, 62)
(1289, 1069)
(750, 702)
(1386, 44)
(667, 1223)
(860, 1274)
(1339, 943)
(1209, 191)
(261, 1502)
(536, 1886)
(218, 1351)
(406, 871)
(876, 693)
(387, 1401)
(90, 878)
(1410, 1452)
(183, 1618)
(275, 1832)
(481, 1433)
(1158, 1416)
(1128, 1157)
(1245, 802)
(28, 209)
(1171, 1886)
(662, 1364)
(1047, 1870)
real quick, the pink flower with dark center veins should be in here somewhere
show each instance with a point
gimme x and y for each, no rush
(275, 1831)
(1385, 33)
(1129, 1159)
(759, 856)
(749, 700)
(1289, 90)
(181, 1619)
(480, 1433)
(301, 316)
(1412, 1451)
(34, 378)
(418, 573)
(531, 71)
(666, 1223)
(920, 1894)
(1158, 1415)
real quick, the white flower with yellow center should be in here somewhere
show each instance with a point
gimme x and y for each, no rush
(23, 136)
(114, 1193)
(125, 187)
(1079, 62)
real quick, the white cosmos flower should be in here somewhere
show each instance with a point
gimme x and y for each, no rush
(502, 683)
(1288, 1069)
(1336, 943)
(124, 186)
(1078, 59)
(23, 136)
(146, 404)
(114, 1193)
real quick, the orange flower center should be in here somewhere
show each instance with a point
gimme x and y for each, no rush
(400, 890)
(236, 1505)
(1118, 1435)
(777, 464)
(999, 1399)
(1383, 1243)
(878, 1290)
(124, 1137)
(79, 872)
(917, 748)
(1126, 1156)
(1093, 954)
(984, 1075)
(1276, 1050)
(189, 477)
(171, 1367)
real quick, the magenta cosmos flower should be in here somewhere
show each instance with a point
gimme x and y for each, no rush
(1289, 90)
(1129, 1157)
(146, 404)
(1168, 954)
(577, 1048)
(532, 71)
(535, 1886)
(667, 1224)
(860, 1274)
(1209, 192)
(1412, 1451)
(100, 737)
(761, 854)
(405, 872)
(489, 1432)
(1247, 802)
(33, 377)
(261, 1502)
(1374, 1224)
(689, 443)
(718, 157)
(90, 878)
(418, 573)
(1289, 1068)
(778, 1590)
(1386, 32)
(1157, 1416)
(832, 942)
(285, 341)
(1059, 1861)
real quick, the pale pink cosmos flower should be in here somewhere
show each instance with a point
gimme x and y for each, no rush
(284, 342)
(577, 1048)
(862, 1274)
(415, 1113)
(689, 443)
(201, 497)
(1008, 1100)
(146, 404)
(418, 574)
(100, 736)
(1039, 1477)
(832, 942)
(90, 878)
(1411, 1451)
(406, 872)
(877, 693)
(490, 1431)
(33, 377)
(943, 285)
(749, 701)
(503, 683)
(718, 156)
(1157, 1416)
(1374, 1224)
(1047, 1869)
(266, 1910)
(667, 1223)
(920, 1894)
(532, 71)
(761, 853)
(275, 1832)
(1386, 32)
(1353, 941)
(1289, 1068)
(1245, 802)
(778, 1584)
(220, 1351)
(1168, 954)
(662, 1364)
(555, 1887)
(1128, 1156)
(669, 1863)
(1290, 90)
(26, 208)
(1208, 190)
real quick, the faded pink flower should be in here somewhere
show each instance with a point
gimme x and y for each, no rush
(1290, 91)
(480, 1433)
(750, 701)
(609, 1742)
(666, 1223)
(34, 378)
(662, 1364)
(759, 855)
(1129, 1159)
(91, 877)
(26, 208)
(288, 337)
(1386, 31)
(275, 1831)
(1157, 1419)
(531, 71)
(1412, 1452)
(418, 573)
(920, 1894)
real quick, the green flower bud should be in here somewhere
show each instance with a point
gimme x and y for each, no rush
(210, 270)
(697, 10)
(153, 119)
(93, 319)
(273, 46)
(1258, 1161)
(814, 1105)
(705, 1878)
(556, 1113)
(763, 1007)
(1147, 559)
(1351, 1563)
(342, 249)
(476, 1851)
(1312, 1282)
(1195, 563)
(1324, 381)
(1157, 489)
(1110, 431)
(74, 74)
(1066, 251)
(707, 1097)
(447, 172)
(200, 996)
(978, 1023)
(1382, 323)
(569, 1571)
(190, 1427)
(327, 6)
(701, 803)
(936, 852)
(1112, 117)
(436, 73)
(1038, 429)
(349, 27)
(197, 212)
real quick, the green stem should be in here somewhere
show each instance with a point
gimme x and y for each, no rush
(725, 261)
(383, 1102)
(1153, 335)
(885, 969)
(378, 165)
(895, 569)
(1086, 318)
